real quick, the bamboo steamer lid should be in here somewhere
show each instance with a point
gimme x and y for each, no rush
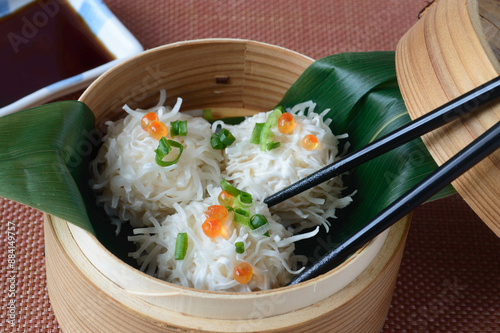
(91, 290)
(453, 48)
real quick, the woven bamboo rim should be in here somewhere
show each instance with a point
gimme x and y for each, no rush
(452, 49)
(93, 291)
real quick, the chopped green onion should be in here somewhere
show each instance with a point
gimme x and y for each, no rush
(215, 142)
(178, 127)
(226, 137)
(240, 247)
(242, 216)
(272, 145)
(263, 230)
(181, 245)
(258, 221)
(255, 138)
(229, 188)
(164, 148)
(266, 134)
(243, 200)
(222, 139)
(207, 114)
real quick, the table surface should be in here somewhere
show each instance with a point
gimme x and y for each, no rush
(449, 279)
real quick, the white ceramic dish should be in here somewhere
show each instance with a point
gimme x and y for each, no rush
(105, 26)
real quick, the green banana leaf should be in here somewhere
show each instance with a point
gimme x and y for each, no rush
(45, 151)
(44, 157)
(42, 151)
(362, 92)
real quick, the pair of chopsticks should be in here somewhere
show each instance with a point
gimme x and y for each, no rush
(444, 175)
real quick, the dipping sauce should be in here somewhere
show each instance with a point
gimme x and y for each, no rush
(42, 43)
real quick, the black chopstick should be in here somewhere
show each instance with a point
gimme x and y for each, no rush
(442, 176)
(414, 129)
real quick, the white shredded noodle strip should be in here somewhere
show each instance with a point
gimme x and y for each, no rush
(209, 263)
(263, 173)
(161, 202)
(133, 187)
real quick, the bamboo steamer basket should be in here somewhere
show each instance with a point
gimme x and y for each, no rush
(91, 290)
(454, 48)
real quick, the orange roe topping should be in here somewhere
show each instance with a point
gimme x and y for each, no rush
(147, 120)
(243, 272)
(226, 199)
(212, 227)
(225, 231)
(157, 130)
(286, 123)
(309, 142)
(217, 211)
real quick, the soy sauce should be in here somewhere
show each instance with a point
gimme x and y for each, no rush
(42, 43)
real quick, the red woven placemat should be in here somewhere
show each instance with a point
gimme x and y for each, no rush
(450, 275)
